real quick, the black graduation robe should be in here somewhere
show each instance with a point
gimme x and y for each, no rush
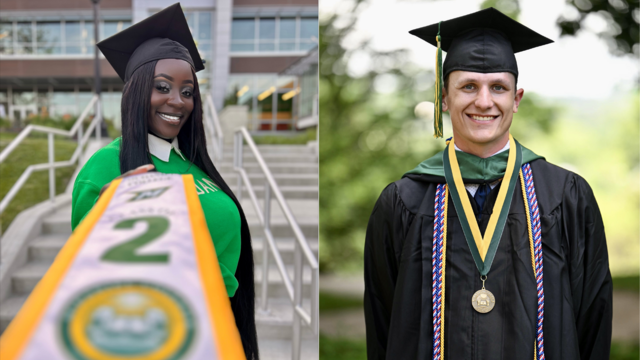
(577, 281)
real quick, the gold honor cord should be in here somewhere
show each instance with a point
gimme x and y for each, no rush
(482, 243)
(437, 102)
(444, 253)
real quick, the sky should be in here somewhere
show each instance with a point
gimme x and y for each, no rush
(579, 67)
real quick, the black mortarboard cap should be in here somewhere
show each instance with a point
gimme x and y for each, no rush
(484, 41)
(164, 35)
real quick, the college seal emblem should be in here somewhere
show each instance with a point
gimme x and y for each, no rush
(127, 320)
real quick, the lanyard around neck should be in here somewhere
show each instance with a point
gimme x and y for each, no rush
(483, 248)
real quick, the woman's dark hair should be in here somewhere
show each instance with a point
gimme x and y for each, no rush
(134, 152)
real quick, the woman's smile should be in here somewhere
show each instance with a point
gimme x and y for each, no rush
(173, 119)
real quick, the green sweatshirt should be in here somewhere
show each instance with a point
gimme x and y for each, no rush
(222, 216)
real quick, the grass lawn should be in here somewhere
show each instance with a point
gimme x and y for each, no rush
(32, 150)
(300, 138)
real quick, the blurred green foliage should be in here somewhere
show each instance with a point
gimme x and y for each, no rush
(627, 283)
(622, 33)
(331, 302)
(510, 8)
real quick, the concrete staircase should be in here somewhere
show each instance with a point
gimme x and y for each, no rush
(295, 169)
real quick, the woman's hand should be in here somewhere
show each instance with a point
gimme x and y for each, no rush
(139, 170)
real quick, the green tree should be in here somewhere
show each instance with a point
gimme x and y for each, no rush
(623, 17)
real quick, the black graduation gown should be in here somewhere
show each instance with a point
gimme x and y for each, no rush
(577, 281)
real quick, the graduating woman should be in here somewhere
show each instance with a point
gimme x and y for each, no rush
(162, 128)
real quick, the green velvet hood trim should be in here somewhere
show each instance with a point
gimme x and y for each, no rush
(473, 167)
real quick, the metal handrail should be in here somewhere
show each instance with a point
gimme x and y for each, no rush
(212, 126)
(51, 165)
(301, 246)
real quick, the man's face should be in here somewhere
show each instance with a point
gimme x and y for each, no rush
(481, 107)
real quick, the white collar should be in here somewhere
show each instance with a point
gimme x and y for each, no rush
(505, 148)
(162, 149)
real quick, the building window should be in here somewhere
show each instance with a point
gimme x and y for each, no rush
(200, 24)
(272, 101)
(59, 37)
(49, 37)
(274, 34)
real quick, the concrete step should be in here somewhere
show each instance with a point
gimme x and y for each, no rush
(275, 168)
(277, 322)
(293, 157)
(281, 228)
(281, 179)
(25, 279)
(289, 192)
(276, 284)
(273, 149)
(279, 349)
(58, 223)
(9, 310)
(285, 247)
(46, 247)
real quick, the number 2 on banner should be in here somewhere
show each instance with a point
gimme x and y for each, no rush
(126, 252)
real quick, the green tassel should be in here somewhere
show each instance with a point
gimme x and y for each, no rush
(437, 116)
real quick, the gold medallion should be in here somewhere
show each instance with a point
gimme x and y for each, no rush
(483, 301)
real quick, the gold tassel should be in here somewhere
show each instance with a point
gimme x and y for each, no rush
(437, 116)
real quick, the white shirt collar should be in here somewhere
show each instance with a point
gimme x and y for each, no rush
(505, 148)
(162, 149)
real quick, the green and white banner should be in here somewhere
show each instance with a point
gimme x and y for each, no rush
(138, 280)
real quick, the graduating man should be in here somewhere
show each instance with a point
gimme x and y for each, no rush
(518, 242)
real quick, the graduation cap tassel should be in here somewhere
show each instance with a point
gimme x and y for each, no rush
(437, 116)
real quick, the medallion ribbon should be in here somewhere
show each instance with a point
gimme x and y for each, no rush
(483, 248)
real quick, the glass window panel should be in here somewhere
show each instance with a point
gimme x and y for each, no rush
(48, 36)
(63, 104)
(24, 34)
(45, 48)
(6, 38)
(267, 28)
(72, 33)
(243, 29)
(269, 46)
(242, 47)
(204, 46)
(23, 48)
(87, 33)
(204, 25)
(6, 31)
(48, 32)
(307, 45)
(111, 28)
(287, 28)
(24, 98)
(287, 45)
(308, 28)
(191, 21)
